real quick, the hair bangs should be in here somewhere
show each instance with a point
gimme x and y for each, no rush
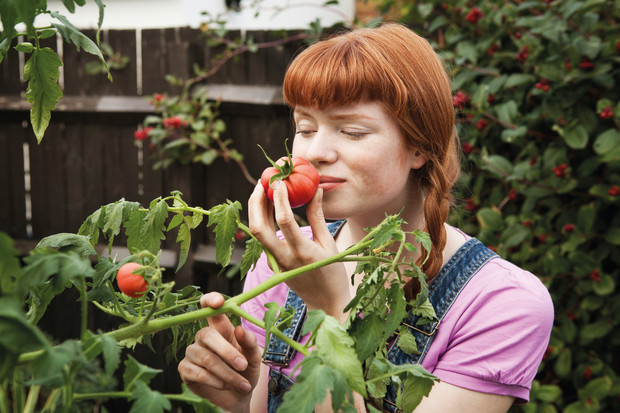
(332, 73)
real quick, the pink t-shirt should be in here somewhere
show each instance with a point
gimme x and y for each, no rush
(492, 339)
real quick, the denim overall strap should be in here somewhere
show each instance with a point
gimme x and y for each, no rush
(278, 353)
(443, 291)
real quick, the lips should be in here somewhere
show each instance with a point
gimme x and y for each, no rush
(330, 182)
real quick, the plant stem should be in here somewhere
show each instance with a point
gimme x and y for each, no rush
(81, 285)
(153, 326)
(31, 401)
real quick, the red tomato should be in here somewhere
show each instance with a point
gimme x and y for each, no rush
(301, 179)
(133, 285)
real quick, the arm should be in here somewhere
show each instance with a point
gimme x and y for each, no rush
(445, 397)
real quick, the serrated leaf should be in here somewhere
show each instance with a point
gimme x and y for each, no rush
(80, 244)
(310, 387)
(152, 228)
(251, 255)
(71, 34)
(147, 400)
(417, 385)
(406, 341)
(225, 218)
(42, 74)
(336, 347)
(136, 372)
(50, 367)
(184, 238)
(111, 354)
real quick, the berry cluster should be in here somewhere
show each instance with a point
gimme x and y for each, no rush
(560, 170)
(607, 113)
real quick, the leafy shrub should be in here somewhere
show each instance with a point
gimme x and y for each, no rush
(535, 82)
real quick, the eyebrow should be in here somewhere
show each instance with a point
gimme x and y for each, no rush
(344, 116)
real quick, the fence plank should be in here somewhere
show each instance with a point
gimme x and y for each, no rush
(10, 83)
(13, 205)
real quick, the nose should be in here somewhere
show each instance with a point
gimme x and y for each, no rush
(318, 149)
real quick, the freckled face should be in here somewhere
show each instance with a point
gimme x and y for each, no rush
(360, 153)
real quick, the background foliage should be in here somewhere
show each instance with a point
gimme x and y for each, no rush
(535, 83)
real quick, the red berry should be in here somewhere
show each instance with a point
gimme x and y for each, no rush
(468, 148)
(491, 98)
(523, 54)
(492, 248)
(607, 113)
(239, 235)
(470, 205)
(481, 124)
(492, 49)
(613, 191)
(568, 64)
(172, 122)
(542, 238)
(512, 194)
(527, 223)
(548, 352)
(595, 275)
(586, 64)
(474, 15)
(142, 134)
(560, 170)
(571, 316)
(459, 100)
(587, 373)
(568, 228)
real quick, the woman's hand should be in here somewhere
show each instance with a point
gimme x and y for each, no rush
(326, 288)
(223, 364)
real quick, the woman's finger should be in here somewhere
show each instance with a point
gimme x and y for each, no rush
(316, 219)
(286, 218)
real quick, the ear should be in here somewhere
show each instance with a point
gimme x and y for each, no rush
(417, 160)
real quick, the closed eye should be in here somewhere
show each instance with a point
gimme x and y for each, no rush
(306, 132)
(355, 134)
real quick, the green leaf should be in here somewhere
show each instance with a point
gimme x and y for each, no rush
(507, 112)
(253, 251)
(18, 335)
(50, 368)
(68, 242)
(596, 330)
(184, 238)
(10, 268)
(515, 235)
(41, 72)
(607, 141)
(336, 347)
(576, 136)
(490, 218)
(310, 387)
(605, 286)
(467, 51)
(147, 400)
(563, 363)
(225, 218)
(111, 354)
(406, 341)
(549, 393)
(498, 165)
(152, 228)
(136, 372)
(613, 236)
(518, 79)
(72, 35)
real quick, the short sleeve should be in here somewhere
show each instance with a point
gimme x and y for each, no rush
(493, 338)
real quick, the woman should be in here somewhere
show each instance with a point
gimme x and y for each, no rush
(373, 113)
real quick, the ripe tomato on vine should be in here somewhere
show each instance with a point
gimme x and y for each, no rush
(131, 284)
(300, 177)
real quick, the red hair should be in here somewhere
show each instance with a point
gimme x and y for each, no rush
(393, 65)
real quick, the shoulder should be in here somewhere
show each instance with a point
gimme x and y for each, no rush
(495, 334)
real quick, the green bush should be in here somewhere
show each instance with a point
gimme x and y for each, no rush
(536, 85)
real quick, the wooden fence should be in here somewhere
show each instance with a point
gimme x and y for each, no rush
(89, 158)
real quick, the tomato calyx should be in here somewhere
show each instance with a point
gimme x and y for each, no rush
(285, 168)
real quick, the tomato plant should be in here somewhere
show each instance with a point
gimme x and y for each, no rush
(129, 281)
(300, 177)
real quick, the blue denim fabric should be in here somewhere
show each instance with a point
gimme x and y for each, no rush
(278, 353)
(443, 290)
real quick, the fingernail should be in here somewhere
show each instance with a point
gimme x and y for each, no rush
(240, 363)
(244, 386)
